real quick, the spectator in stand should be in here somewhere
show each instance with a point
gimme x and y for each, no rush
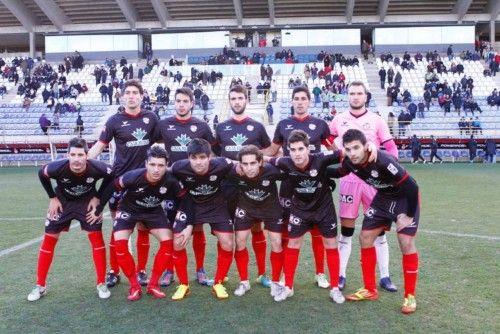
(109, 90)
(274, 91)
(178, 77)
(50, 103)
(270, 111)
(412, 110)
(79, 126)
(391, 123)
(421, 109)
(215, 122)
(434, 148)
(204, 101)
(317, 94)
(476, 126)
(403, 122)
(325, 99)
(44, 123)
(494, 99)
(314, 71)
(26, 104)
(382, 74)
(457, 101)
(472, 146)
(117, 97)
(104, 93)
(269, 73)
(55, 121)
(307, 72)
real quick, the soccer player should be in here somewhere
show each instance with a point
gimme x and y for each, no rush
(175, 133)
(353, 191)
(133, 132)
(231, 135)
(318, 132)
(312, 205)
(144, 189)
(396, 200)
(257, 202)
(203, 176)
(75, 197)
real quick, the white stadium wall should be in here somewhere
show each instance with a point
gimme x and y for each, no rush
(424, 38)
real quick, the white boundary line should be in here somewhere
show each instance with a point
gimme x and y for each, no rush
(460, 235)
(32, 241)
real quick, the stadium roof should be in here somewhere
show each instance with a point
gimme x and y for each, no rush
(54, 16)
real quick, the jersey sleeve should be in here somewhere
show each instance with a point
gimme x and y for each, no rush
(383, 132)
(207, 134)
(265, 141)
(278, 135)
(391, 168)
(331, 158)
(107, 132)
(326, 136)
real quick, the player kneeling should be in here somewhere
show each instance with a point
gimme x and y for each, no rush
(144, 190)
(396, 200)
(75, 197)
(257, 201)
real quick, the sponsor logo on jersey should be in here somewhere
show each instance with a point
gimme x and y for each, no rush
(149, 202)
(139, 135)
(366, 126)
(346, 199)
(189, 179)
(77, 190)
(238, 139)
(307, 187)
(257, 194)
(228, 128)
(139, 190)
(183, 141)
(289, 127)
(203, 190)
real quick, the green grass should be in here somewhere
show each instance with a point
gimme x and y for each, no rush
(457, 289)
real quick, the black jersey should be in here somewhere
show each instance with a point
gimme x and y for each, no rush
(232, 135)
(385, 174)
(316, 128)
(260, 192)
(73, 186)
(176, 135)
(140, 195)
(203, 188)
(133, 136)
(310, 186)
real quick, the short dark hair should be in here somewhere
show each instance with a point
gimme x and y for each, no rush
(250, 150)
(185, 91)
(299, 89)
(157, 152)
(239, 89)
(134, 83)
(359, 83)
(78, 143)
(198, 146)
(298, 136)
(352, 135)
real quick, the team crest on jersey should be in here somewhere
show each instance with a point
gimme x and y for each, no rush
(213, 177)
(374, 173)
(250, 127)
(193, 128)
(145, 120)
(108, 170)
(312, 126)
(366, 126)
(163, 190)
(90, 179)
(313, 172)
(266, 183)
(391, 168)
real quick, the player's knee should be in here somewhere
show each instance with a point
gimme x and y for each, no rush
(330, 242)
(346, 231)
(367, 239)
(257, 228)
(348, 222)
(407, 243)
(294, 242)
(226, 243)
(276, 242)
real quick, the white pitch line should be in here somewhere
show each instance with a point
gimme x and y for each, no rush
(15, 219)
(460, 235)
(32, 241)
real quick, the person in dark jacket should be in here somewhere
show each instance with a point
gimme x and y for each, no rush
(416, 150)
(490, 151)
(472, 146)
(44, 123)
(434, 149)
(382, 74)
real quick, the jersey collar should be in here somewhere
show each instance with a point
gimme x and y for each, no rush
(360, 115)
(303, 119)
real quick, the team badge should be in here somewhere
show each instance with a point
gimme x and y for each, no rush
(250, 127)
(265, 183)
(313, 173)
(90, 179)
(145, 120)
(193, 128)
(213, 177)
(312, 126)
(108, 170)
(163, 190)
(374, 173)
(47, 222)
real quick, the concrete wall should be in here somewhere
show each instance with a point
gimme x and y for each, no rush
(89, 56)
(441, 48)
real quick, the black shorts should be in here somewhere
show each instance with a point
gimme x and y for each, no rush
(206, 213)
(324, 217)
(126, 220)
(245, 218)
(383, 211)
(170, 206)
(285, 194)
(113, 201)
(76, 209)
(230, 190)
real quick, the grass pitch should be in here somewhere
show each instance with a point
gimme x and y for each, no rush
(458, 241)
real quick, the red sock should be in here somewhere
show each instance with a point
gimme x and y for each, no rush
(368, 263)
(241, 258)
(98, 255)
(142, 249)
(45, 258)
(318, 250)
(290, 265)
(259, 247)
(410, 271)
(333, 262)
(277, 265)
(113, 261)
(224, 259)
(126, 262)
(199, 242)
(284, 236)
(180, 263)
(161, 259)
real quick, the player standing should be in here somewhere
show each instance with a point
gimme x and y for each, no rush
(353, 191)
(132, 131)
(75, 197)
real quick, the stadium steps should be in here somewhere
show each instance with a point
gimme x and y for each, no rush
(378, 95)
